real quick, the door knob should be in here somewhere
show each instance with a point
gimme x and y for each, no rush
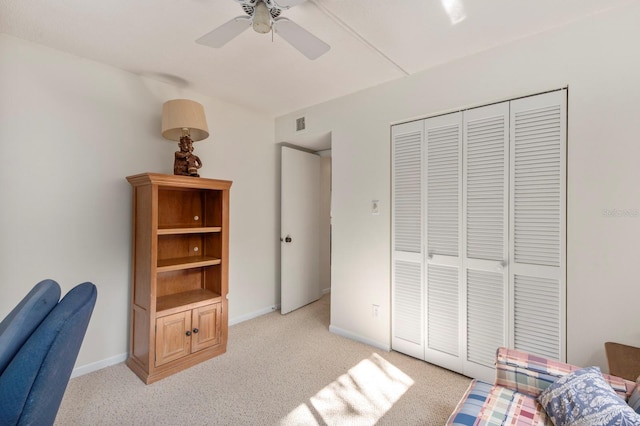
(195, 330)
(287, 239)
(188, 333)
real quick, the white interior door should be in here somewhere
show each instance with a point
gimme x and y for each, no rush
(300, 229)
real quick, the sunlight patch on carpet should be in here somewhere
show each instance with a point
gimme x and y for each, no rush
(359, 397)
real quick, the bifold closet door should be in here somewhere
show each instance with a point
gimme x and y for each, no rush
(538, 223)
(479, 234)
(443, 236)
(485, 237)
(406, 241)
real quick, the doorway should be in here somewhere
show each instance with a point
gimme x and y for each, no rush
(296, 289)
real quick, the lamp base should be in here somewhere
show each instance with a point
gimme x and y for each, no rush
(186, 163)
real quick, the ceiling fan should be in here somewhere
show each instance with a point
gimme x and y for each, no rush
(264, 16)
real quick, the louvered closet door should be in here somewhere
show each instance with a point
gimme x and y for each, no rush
(486, 188)
(443, 195)
(407, 258)
(538, 221)
(485, 237)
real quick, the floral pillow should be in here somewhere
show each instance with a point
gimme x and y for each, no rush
(584, 398)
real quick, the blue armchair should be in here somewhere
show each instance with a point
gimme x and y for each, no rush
(16, 328)
(34, 381)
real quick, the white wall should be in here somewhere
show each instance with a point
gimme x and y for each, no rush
(71, 130)
(325, 218)
(597, 59)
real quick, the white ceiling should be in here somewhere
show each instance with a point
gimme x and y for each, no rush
(372, 41)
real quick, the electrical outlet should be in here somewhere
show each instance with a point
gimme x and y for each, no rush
(375, 311)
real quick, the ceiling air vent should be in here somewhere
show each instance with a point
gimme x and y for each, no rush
(300, 124)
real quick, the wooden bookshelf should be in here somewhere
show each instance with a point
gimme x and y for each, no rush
(180, 273)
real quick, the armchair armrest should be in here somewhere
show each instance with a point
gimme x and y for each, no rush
(531, 374)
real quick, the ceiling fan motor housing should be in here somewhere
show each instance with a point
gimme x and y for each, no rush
(250, 7)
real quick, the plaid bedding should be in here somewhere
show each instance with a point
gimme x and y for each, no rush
(469, 407)
(520, 378)
(531, 374)
(489, 405)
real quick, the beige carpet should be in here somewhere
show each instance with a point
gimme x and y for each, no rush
(278, 370)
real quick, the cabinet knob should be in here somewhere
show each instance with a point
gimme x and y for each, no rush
(195, 330)
(188, 333)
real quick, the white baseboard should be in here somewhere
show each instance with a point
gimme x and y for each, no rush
(107, 362)
(326, 290)
(349, 335)
(98, 365)
(252, 315)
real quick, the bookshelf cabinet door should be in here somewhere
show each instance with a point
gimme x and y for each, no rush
(206, 327)
(172, 341)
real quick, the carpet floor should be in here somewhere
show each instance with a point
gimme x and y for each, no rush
(278, 370)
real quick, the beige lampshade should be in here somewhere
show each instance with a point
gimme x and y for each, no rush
(179, 114)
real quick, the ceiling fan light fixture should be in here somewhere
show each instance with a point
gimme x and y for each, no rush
(261, 18)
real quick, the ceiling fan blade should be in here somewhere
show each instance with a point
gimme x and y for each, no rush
(286, 4)
(301, 39)
(225, 32)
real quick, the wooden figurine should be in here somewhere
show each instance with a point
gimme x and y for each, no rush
(186, 162)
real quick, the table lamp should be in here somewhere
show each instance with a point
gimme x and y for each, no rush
(184, 121)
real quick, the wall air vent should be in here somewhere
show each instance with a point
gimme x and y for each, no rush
(300, 124)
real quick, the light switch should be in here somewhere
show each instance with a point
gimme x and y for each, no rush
(375, 207)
